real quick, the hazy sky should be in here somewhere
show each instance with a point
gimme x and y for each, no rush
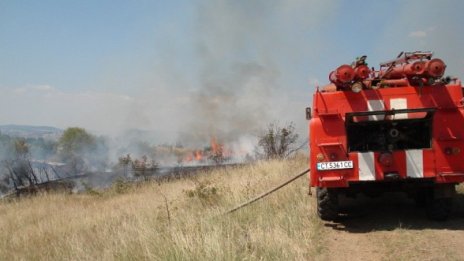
(209, 66)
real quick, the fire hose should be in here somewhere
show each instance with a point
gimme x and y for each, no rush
(267, 192)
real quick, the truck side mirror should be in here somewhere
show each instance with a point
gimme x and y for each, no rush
(308, 113)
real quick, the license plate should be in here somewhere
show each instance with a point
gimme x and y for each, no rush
(335, 165)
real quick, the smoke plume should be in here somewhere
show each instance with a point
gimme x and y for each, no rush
(242, 48)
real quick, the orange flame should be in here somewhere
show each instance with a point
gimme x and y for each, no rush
(216, 148)
(216, 151)
(198, 155)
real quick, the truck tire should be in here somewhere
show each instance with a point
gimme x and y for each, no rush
(439, 209)
(327, 204)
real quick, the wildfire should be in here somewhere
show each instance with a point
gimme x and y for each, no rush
(215, 152)
(198, 155)
(216, 148)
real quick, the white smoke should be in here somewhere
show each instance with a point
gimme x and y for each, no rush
(244, 50)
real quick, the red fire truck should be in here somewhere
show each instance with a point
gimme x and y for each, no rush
(399, 128)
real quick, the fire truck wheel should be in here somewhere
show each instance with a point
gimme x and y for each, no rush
(439, 208)
(327, 204)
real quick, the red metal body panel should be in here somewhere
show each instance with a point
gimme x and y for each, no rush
(442, 163)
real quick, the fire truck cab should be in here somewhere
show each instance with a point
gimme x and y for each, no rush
(399, 128)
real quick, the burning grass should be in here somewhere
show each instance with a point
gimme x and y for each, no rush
(176, 220)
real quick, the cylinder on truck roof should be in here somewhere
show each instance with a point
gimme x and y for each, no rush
(361, 72)
(394, 82)
(404, 70)
(435, 68)
(343, 74)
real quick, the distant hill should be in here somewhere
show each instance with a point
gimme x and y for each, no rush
(27, 131)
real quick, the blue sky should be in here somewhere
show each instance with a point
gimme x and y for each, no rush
(205, 66)
(68, 43)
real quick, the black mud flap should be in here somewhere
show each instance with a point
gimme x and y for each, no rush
(386, 133)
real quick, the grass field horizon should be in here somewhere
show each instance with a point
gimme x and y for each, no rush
(176, 220)
(184, 219)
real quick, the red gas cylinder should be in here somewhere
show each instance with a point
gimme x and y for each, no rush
(362, 72)
(343, 74)
(435, 68)
(405, 70)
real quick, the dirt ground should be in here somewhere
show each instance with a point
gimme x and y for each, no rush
(392, 227)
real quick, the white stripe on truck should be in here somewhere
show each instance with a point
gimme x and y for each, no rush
(366, 165)
(414, 163)
(399, 104)
(375, 105)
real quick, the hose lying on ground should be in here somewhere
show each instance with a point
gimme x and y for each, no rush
(267, 192)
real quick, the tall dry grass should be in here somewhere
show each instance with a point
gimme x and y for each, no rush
(177, 220)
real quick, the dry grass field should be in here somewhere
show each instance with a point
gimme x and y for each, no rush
(182, 220)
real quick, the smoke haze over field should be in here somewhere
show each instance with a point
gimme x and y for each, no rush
(195, 69)
(242, 50)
